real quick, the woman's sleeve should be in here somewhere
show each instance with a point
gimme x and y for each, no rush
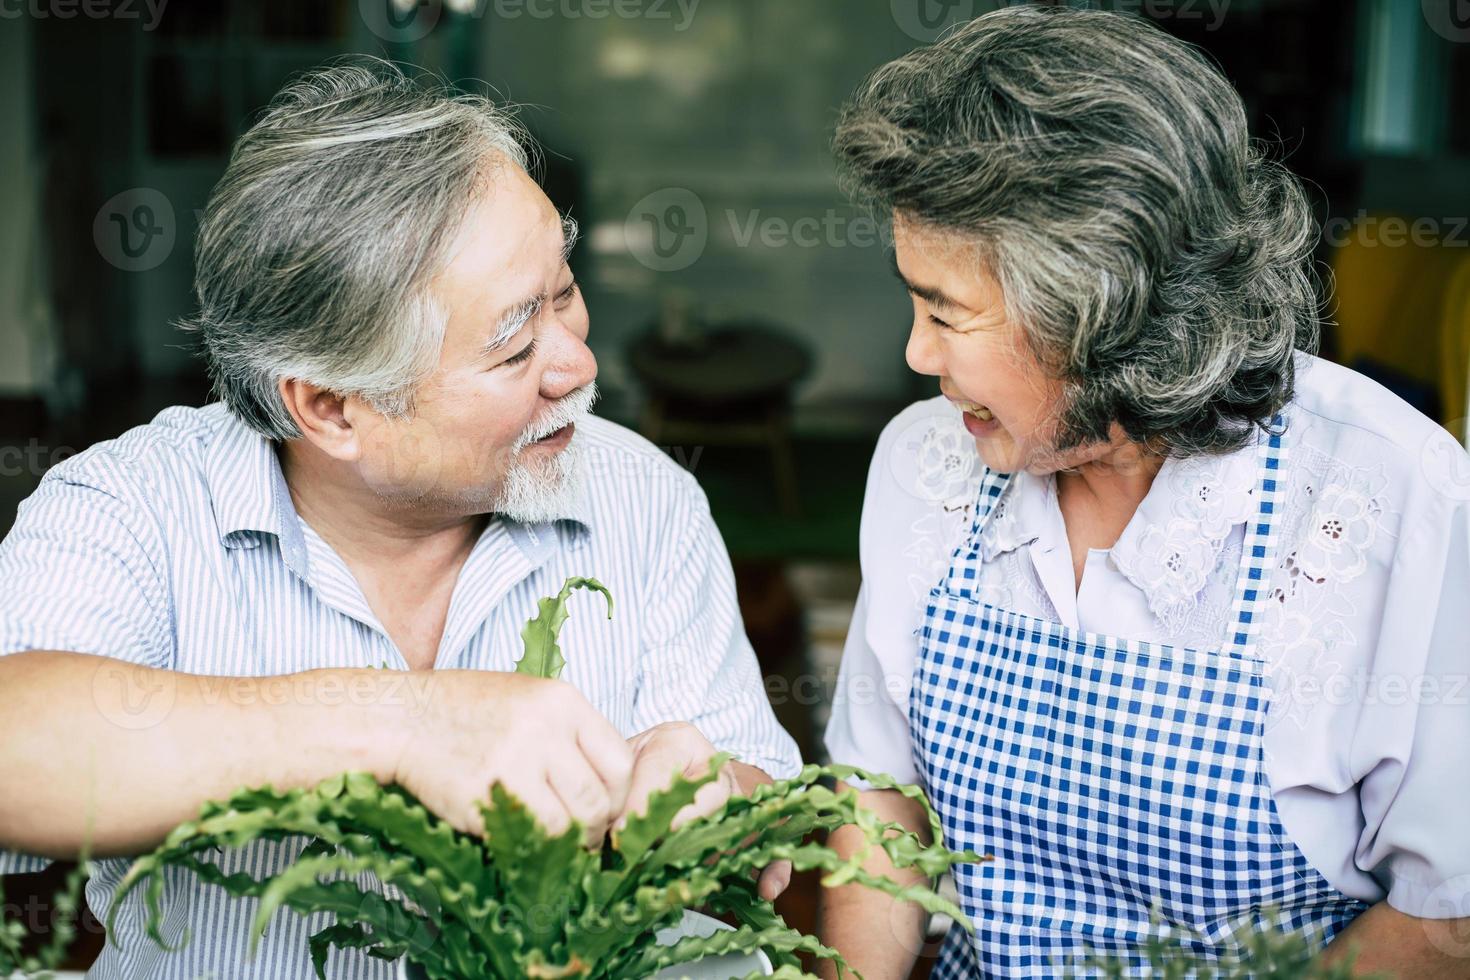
(869, 726)
(1413, 738)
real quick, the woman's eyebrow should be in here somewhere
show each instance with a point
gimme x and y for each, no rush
(932, 295)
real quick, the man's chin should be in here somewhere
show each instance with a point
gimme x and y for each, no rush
(540, 490)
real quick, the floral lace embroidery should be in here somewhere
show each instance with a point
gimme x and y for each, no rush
(1186, 565)
(1337, 530)
(1336, 514)
(1171, 562)
(948, 468)
(946, 475)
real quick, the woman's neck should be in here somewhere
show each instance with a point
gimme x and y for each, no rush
(1098, 498)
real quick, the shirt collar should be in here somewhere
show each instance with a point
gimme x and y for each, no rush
(1018, 517)
(1172, 545)
(1173, 541)
(249, 492)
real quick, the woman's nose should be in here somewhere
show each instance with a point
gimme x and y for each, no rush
(923, 352)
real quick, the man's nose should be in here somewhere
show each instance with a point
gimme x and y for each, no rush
(571, 366)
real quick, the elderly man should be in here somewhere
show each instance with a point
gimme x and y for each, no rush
(402, 463)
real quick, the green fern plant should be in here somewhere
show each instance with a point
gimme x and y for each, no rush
(522, 903)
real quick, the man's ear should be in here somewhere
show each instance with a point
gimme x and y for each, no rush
(323, 417)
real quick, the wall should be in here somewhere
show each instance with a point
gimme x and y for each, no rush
(699, 120)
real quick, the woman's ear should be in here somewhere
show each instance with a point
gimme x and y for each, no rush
(323, 418)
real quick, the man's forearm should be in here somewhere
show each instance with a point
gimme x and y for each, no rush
(1387, 943)
(114, 755)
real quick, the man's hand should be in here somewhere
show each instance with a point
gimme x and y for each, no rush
(539, 738)
(677, 748)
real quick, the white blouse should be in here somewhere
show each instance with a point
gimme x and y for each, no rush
(1367, 640)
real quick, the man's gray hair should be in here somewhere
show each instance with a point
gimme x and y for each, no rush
(319, 243)
(1156, 262)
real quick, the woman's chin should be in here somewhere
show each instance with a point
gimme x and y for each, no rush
(998, 451)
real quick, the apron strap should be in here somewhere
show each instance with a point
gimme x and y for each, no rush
(1261, 535)
(964, 565)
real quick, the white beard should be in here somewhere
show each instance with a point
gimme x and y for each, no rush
(546, 490)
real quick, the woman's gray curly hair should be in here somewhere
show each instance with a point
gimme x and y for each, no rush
(1157, 263)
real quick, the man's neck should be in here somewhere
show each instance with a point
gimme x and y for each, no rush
(366, 529)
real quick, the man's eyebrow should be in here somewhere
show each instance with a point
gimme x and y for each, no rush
(511, 322)
(513, 319)
(932, 295)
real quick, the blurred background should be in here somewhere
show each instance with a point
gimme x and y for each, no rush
(743, 314)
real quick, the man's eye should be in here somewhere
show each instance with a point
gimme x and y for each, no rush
(526, 353)
(938, 322)
(566, 295)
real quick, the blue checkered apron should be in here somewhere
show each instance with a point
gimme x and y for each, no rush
(1118, 784)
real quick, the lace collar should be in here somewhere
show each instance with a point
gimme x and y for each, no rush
(1173, 542)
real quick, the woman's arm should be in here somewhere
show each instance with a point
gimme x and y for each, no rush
(878, 936)
(1389, 943)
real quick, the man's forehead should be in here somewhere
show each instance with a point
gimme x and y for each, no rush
(512, 239)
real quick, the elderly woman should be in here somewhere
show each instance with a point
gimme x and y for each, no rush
(1195, 661)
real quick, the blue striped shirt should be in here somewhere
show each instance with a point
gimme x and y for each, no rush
(177, 546)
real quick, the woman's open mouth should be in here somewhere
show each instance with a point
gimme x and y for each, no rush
(979, 420)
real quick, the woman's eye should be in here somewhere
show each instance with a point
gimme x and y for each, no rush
(525, 354)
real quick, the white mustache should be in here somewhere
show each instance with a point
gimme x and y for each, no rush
(569, 408)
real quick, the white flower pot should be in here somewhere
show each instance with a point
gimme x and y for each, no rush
(709, 968)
